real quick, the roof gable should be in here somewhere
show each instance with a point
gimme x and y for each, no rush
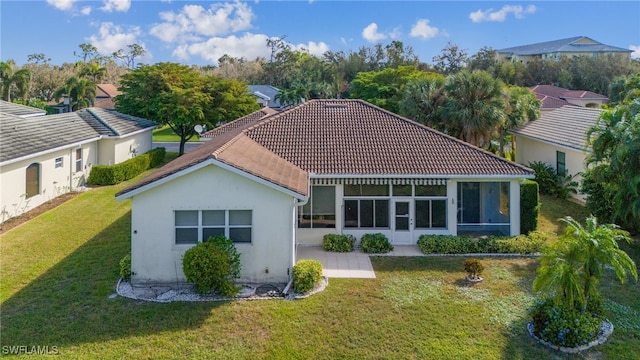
(566, 127)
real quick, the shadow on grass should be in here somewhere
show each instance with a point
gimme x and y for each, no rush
(69, 304)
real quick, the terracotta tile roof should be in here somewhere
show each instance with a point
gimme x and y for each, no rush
(582, 94)
(550, 102)
(354, 137)
(554, 97)
(240, 123)
(566, 126)
(109, 90)
(338, 137)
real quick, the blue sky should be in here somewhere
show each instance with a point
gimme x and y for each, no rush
(200, 32)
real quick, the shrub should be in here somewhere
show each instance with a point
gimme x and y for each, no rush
(473, 267)
(564, 326)
(213, 265)
(529, 206)
(114, 174)
(307, 274)
(125, 267)
(545, 176)
(375, 243)
(338, 243)
(450, 244)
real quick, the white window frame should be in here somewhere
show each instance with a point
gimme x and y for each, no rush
(79, 160)
(200, 226)
(59, 162)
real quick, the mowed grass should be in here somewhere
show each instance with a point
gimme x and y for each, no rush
(59, 269)
(165, 134)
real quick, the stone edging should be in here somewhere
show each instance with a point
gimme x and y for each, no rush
(323, 285)
(606, 329)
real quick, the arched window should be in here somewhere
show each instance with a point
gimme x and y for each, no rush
(33, 180)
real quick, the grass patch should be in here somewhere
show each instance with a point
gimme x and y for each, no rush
(165, 134)
(552, 209)
(59, 269)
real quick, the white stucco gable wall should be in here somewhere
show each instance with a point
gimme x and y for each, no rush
(157, 259)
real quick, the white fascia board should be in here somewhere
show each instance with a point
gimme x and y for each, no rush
(129, 134)
(68, 146)
(200, 166)
(414, 176)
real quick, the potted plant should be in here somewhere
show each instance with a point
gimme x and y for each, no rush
(474, 268)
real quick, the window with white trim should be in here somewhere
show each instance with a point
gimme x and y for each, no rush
(194, 226)
(58, 162)
(320, 210)
(363, 207)
(78, 160)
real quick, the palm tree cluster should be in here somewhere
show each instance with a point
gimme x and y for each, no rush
(14, 81)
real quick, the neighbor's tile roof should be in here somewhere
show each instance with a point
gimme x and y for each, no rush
(339, 137)
(554, 97)
(240, 123)
(571, 45)
(20, 110)
(21, 137)
(107, 90)
(566, 126)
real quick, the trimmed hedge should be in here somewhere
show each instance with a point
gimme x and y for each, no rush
(375, 244)
(307, 274)
(529, 206)
(449, 244)
(338, 243)
(114, 174)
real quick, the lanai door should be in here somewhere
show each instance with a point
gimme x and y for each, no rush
(402, 221)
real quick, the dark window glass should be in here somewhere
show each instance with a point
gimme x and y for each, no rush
(431, 190)
(402, 190)
(352, 190)
(423, 214)
(382, 213)
(209, 232)
(439, 213)
(366, 213)
(186, 236)
(186, 218)
(561, 165)
(78, 160)
(32, 180)
(351, 213)
(240, 235)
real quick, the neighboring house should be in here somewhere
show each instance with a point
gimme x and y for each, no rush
(46, 156)
(19, 110)
(555, 97)
(266, 95)
(105, 99)
(274, 180)
(558, 138)
(554, 50)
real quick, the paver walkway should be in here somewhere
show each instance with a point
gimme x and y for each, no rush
(355, 264)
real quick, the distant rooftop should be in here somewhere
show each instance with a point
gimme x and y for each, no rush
(19, 110)
(571, 45)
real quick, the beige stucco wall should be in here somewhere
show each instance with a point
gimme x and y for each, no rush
(116, 150)
(156, 259)
(53, 181)
(530, 150)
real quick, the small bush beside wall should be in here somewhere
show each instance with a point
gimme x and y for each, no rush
(375, 243)
(307, 274)
(114, 174)
(529, 206)
(125, 267)
(213, 265)
(449, 244)
(338, 243)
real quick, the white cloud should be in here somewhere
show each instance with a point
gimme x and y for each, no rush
(116, 5)
(422, 30)
(315, 49)
(86, 10)
(371, 34)
(111, 38)
(61, 4)
(194, 21)
(501, 15)
(249, 46)
(636, 51)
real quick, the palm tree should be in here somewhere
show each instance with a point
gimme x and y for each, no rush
(93, 71)
(522, 106)
(421, 101)
(474, 106)
(572, 267)
(10, 78)
(82, 92)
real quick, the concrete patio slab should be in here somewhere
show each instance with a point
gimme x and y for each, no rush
(354, 265)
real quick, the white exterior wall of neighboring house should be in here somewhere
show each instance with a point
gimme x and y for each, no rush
(53, 181)
(116, 150)
(156, 258)
(529, 150)
(313, 236)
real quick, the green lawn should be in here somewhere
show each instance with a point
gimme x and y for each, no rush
(165, 134)
(59, 269)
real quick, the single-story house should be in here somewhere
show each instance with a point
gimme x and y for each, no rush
(266, 95)
(558, 138)
(554, 97)
(46, 156)
(283, 179)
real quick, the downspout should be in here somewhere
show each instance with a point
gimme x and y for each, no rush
(294, 246)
